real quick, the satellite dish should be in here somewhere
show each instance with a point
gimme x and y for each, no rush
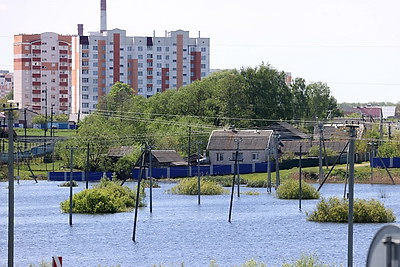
(385, 247)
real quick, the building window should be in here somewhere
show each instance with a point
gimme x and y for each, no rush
(140, 48)
(85, 71)
(85, 63)
(85, 88)
(240, 156)
(256, 156)
(159, 57)
(85, 105)
(159, 65)
(159, 48)
(149, 56)
(85, 80)
(85, 54)
(95, 47)
(203, 49)
(140, 56)
(220, 156)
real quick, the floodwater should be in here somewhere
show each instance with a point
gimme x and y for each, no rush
(179, 230)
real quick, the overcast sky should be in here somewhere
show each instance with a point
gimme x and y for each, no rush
(352, 45)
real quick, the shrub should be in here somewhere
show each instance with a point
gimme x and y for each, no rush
(66, 184)
(306, 260)
(257, 183)
(225, 181)
(365, 211)
(189, 186)
(106, 197)
(289, 189)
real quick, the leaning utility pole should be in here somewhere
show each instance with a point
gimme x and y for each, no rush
(10, 108)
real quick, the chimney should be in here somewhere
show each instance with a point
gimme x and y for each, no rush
(103, 16)
(80, 29)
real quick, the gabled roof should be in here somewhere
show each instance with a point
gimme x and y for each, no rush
(248, 139)
(294, 146)
(287, 131)
(119, 151)
(167, 156)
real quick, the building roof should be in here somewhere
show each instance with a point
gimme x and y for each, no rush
(249, 139)
(287, 131)
(168, 156)
(294, 146)
(119, 151)
(374, 112)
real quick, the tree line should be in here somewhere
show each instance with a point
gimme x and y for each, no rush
(245, 98)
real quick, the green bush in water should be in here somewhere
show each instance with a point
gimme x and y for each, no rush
(290, 190)
(189, 186)
(365, 211)
(225, 181)
(106, 197)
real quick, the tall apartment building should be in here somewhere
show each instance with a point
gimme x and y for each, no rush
(148, 64)
(74, 72)
(6, 83)
(42, 72)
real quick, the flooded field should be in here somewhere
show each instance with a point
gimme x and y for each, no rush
(179, 230)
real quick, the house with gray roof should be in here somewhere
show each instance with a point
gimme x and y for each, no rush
(253, 145)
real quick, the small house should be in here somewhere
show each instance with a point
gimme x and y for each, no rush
(166, 158)
(252, 146)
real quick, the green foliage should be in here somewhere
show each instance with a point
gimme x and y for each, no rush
(39, 119)
(67, 184)
(306, 261)
(189, 186)
(289, 189)
(314, 152)
(105, 197)
(225, 180)
(389, 149)
(365, 211)
(257, 183)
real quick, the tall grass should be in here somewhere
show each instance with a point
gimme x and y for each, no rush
(289, 189)
(189, 186)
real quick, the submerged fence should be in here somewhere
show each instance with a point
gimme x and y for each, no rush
(175, 172)
(171, 172)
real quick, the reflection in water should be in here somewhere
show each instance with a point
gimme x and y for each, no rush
(180, 231)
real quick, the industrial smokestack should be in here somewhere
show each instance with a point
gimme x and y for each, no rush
(103, 16)
(80, 29)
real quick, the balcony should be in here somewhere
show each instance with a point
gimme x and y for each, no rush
(63, 83)
(63, 100)
(36, 83)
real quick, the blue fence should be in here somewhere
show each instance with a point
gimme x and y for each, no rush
(385, 162)
(171, 172)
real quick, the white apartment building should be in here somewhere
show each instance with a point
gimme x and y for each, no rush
(72, 73)
(148, 64)
(6, 83)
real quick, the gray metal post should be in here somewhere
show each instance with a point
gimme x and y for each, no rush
(321, 170)
(151, 181)
(269, 183)
(198, 173)
(10, 183)
(70, 185)
(276, 143)
(351, 195)
(300, 189)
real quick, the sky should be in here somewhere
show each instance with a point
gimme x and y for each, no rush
(352, 45)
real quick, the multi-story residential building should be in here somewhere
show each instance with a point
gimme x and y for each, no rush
(42, 72)
(74, 72)
(6, 83)
(148, 64)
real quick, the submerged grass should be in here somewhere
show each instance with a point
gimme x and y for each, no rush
(189, 186)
